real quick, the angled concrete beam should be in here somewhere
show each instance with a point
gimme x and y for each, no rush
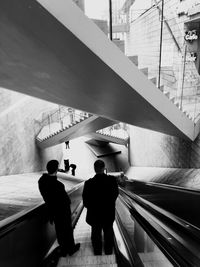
(51, 50)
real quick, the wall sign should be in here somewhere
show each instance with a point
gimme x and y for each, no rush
(190, 36)
(191, 57)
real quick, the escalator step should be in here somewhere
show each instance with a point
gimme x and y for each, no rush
(85, 256)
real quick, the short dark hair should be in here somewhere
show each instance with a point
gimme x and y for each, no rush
(99, 165)
(52, 166)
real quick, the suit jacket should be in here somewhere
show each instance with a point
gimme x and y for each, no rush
(55, 197)
(99, 196)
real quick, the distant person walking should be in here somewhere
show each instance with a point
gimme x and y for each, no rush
(67, 144)
(58, 205)
(99, 196)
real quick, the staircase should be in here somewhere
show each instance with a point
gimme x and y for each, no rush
(53, 124)
(111, 135)
(168, 87)
(190, 99)
(61, 132)
(81, 70)
(71, 125)
(180, 79)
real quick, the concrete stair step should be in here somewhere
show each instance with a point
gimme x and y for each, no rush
(144, 70)
(154, 80)
(172, 99)
(162, 88)
(134, 59)
(167, 94)
(177, 104)
(168, 75)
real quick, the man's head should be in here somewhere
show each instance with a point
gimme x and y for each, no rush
(99, 166)
(52, 166)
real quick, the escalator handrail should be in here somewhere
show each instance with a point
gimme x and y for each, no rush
(14, 221)
(165, 186)
(166, 215)
(130, 250)
(174, 251)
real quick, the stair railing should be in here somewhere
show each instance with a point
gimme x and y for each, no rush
(183, 76)
(117, 131)
(59, 120)
(166, 59)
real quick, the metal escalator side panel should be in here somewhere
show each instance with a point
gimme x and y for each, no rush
(27, 237)
(176, 247)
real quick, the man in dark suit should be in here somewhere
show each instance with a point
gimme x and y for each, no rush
(99, 196)
(58, 206)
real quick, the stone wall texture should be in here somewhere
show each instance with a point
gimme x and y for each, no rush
(18, 128)
(143, 41)
(148, 148)
(153, 149)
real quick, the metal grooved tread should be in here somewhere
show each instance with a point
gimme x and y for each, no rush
(85, 256)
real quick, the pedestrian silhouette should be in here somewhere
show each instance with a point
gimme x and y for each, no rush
(99, 196)
(67, 144)
(73, 168)
(58, 202)
(66, 165)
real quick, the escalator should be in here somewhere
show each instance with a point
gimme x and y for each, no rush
(28, 239)
(85, 256)
(180, 201)
(151, 228)
(145, 235)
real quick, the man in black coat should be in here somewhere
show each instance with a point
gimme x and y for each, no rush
(58, 206)
(99, 196)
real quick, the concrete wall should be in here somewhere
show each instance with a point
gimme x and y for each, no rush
(153, 149)
(55, 152)
(18, 152)
(144, 40)
(20, 118)
(195, 153)
(148, 148)
(81, 154)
